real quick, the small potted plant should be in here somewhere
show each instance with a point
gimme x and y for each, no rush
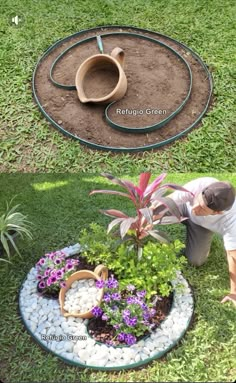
(13, 224)
(53, 269)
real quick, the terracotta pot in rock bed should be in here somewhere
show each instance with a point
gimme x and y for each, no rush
(100, 272)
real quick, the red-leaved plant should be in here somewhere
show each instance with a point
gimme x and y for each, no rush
(152, 207)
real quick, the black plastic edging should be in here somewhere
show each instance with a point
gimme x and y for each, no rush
(112, 148)
(123, 128)
(158, 355)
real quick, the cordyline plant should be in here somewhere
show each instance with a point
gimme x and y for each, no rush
(152, 207)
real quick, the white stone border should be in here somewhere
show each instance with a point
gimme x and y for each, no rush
(71, 342)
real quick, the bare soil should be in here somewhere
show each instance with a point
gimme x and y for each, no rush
(158, 82)
(100, 82)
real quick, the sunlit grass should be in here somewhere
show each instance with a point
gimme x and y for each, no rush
(207, 351)
(29, 143)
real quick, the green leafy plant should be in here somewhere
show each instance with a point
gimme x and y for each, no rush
(97, 245)
(137, 258)
(152, 272)
(13, 224)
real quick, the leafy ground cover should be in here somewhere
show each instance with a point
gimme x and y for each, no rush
(29, 143)
(59, 207)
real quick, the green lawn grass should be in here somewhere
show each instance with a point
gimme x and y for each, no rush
(59, 207)
(29, 143)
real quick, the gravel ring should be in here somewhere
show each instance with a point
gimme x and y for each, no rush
(75, 347)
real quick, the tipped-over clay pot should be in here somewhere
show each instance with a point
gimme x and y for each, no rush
(112, 65)
(100, 272)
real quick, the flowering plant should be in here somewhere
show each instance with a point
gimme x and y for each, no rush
(150, 204)
(52, 271)
(127, 310)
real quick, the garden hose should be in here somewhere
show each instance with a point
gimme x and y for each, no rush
(109, 121)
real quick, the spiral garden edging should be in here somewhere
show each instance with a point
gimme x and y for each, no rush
(110, 122)
(121, 148)
(71, 343)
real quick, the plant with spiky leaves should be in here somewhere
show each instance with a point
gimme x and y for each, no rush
(152, 206)
(13, 223)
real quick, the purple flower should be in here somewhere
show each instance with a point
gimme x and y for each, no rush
(57, 261)
(49, 282)
(116, 326)
(112, 283)
(130, 339)
(121, 336)
(59, 274)
(69, 266)
(63, 284)
(75, 261)
(46, 273)
(152, 312)
(105, 317)
(100, 284)
(146, 315)
(131, 321)
(41, 261)
(53, 279)
(141, 294)
(51, 255)
(130, 287)
(42, 285)
(131, 300)
(109, 342)
(116, 296)
(147, 323)
(143, 306)
(97, 311)
(125, 313)
(39, 277)
(107, 297)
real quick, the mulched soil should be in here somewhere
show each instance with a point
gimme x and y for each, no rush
(103, 332)
(157, 80)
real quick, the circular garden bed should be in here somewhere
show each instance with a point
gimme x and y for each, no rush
(70, 338)
(169, 90)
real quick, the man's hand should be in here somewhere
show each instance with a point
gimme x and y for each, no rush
(228, 298)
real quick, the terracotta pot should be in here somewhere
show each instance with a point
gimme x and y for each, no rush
(100, 272)
(112, 63)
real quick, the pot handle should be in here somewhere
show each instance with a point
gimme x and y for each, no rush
(119, 55)
(101, 271)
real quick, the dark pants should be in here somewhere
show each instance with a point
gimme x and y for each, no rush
(198, 240)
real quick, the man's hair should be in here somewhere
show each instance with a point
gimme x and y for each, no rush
(219, 196)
